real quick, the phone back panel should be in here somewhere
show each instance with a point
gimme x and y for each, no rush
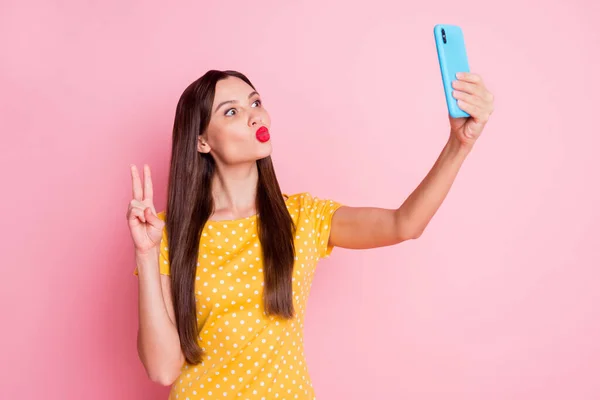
(452, 57)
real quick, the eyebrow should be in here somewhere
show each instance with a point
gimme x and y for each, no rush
(233, 101)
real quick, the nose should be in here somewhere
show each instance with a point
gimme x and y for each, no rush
(255, 119)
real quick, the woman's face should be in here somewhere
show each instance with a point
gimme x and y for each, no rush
(231, 133)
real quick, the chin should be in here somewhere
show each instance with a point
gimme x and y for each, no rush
(265, 152)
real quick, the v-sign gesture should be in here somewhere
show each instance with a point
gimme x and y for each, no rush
(145, 226)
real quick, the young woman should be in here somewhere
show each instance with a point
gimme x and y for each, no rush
(225, 271)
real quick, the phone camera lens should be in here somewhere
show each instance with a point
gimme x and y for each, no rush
(444, 35)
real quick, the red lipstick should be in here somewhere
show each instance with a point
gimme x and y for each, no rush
(262, 134)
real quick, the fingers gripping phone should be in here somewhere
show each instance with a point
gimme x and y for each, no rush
(452, 57)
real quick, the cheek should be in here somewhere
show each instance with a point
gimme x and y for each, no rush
(234, 144)
(227, 137)
(235, 136)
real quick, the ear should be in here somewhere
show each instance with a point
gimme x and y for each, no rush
(203, 146)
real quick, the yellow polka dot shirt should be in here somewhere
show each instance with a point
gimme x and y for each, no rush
(250, 355)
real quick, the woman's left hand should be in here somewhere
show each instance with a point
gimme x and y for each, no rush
(473, 98)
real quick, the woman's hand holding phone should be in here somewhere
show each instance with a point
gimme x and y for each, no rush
(469, 102)
(474, 98)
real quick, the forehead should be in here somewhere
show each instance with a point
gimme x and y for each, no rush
(231, 88)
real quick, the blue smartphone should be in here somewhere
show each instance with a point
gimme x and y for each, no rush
(452, 57)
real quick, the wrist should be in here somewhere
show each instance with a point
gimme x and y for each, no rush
(145, 257)
(457, 147)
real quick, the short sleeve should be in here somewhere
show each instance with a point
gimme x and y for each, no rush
(321, 212)
(163, 255)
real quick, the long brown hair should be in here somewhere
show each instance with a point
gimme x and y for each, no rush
(190, 205)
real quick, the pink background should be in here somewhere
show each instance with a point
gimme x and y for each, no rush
(498, 299)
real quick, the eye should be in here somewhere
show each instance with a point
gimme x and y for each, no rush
(227, 112)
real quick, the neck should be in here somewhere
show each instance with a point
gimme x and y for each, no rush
(234, 189)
